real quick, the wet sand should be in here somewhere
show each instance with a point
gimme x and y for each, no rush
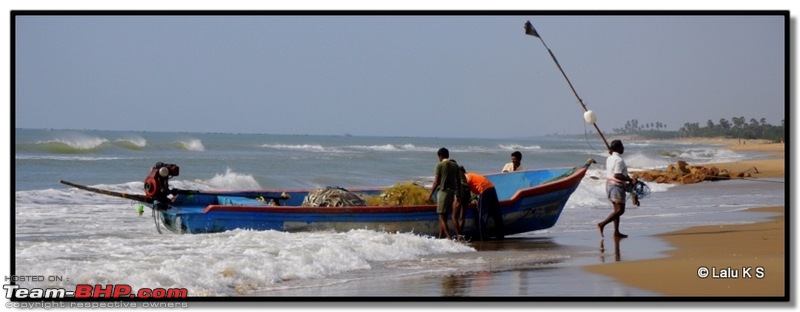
(743, 260)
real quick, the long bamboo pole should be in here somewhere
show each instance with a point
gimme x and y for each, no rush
(529, 30)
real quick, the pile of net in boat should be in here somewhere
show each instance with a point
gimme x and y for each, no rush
(401, 194)
(332, 197)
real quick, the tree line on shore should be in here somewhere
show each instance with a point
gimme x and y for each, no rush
(737, 127)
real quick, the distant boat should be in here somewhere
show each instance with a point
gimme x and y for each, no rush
(529, 200)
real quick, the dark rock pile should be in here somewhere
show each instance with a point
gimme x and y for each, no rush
(683, 173)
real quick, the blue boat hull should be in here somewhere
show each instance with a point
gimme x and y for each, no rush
(529, 201)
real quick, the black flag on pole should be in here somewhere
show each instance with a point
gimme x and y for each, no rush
(529, 30)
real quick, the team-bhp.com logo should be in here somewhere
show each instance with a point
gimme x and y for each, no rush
(84, 291)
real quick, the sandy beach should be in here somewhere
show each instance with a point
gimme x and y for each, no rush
(766, 168)
(721, 260)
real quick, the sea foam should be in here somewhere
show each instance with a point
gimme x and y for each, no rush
(223, 264)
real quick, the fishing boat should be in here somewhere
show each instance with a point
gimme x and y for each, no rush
(529, 200)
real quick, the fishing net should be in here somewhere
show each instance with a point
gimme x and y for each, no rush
(333, 197)
(640, 189)
(401, 194)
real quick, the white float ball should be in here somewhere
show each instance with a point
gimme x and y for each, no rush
(589, 117)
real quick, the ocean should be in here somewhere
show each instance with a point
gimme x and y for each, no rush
(85, 238)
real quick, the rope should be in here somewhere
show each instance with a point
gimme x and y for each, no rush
(586, 138)
(158, 228)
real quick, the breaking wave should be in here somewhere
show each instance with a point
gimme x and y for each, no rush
(194, 145)
(76, 144)
(301, 147)
(229, 180)
(519, 147)
(135, 143)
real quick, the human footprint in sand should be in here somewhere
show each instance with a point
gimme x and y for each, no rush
(616, 178)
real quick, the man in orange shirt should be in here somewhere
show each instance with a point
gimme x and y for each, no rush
(488, 204)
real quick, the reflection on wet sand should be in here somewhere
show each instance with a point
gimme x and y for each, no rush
(454, 286)
(617, 254)
(487, 284)
(500, 275)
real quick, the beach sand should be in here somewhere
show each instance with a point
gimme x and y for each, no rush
(767, 168)
(772, 167)
(754, 253)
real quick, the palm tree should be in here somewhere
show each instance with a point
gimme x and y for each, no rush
(724, 124)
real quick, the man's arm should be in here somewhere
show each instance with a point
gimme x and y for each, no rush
(436, 182)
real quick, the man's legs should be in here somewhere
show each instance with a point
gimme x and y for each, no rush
(493, 204)
(443, 226)
(619, 210)
(616, 194)
(444, 203)
(455, 216)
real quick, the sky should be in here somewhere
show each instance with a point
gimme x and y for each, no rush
(395, 75)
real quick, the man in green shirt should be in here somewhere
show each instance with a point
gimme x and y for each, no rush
(445, 186)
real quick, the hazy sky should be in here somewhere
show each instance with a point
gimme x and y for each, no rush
(395, 75)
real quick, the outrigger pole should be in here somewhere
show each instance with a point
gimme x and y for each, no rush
(588, 115)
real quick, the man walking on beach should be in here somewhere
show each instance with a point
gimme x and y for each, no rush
(445, 186)
(616, 177)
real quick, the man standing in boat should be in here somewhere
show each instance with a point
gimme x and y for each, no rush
(616, 178)
(515, 164)
(445, 186)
